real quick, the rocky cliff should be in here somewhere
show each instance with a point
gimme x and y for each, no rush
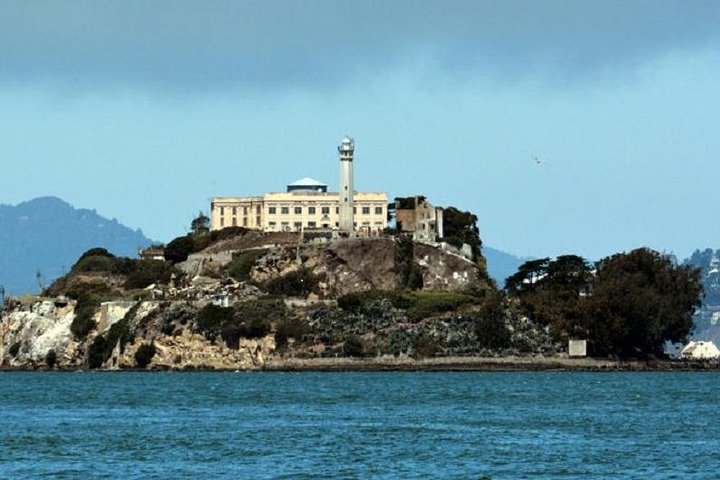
(238, 304)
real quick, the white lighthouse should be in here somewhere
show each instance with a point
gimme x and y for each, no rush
(347, 217)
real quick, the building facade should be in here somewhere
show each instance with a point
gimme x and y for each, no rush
(307, 205)
(297, 210)
(418, 216)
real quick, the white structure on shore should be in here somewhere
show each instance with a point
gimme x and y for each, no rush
(700, 351)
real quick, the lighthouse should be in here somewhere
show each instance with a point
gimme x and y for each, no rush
(345, 200)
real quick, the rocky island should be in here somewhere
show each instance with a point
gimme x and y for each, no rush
(237, 299)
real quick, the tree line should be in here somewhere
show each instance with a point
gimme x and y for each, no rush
(627, 305)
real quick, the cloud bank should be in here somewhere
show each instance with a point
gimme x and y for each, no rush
(220, 44)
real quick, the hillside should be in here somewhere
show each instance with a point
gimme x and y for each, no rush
(47, 235)
(249, 298)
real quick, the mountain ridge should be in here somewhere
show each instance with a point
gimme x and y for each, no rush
(41, 237)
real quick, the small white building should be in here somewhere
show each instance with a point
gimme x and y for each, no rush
(577, 348)
(700, 351)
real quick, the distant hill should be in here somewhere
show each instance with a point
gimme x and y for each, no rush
(500, 264)
(47, 235)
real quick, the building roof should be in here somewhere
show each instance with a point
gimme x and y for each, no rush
(307, 182)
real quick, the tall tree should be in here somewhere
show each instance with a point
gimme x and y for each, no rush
(200, 224)
(640, 300)
(461, 227)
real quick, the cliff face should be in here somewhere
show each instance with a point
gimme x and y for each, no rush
(29, 332)
(246, 326)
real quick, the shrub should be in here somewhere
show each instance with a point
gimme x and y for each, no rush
(298, 283)
(179, 249)
(211, 319)
(353, 346)
(147, 272)
(252, 319)
(432, 303)
(50, 358)
(96, 260)
(96, 352)
(144, 354)
(424, 347)
(14, 349)
(88, 296)
(362, 301)
(289, 328)
(490, 327)
(94, 263)
(242, 264)
(227, 232)
(83, 322)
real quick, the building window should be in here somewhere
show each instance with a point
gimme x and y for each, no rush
(222, 221)
(337, 224)
(234, 210)
(244, 210)
(257, 221)
(366, 224)
(284, 210)
(285, 226)
(258, 210)
(244, 221)
(234, 222)
(297, 225)
(272, 210)
(325, 225)
(337, 210)
(312, 225)
(366, 210)
(354, 210)
(222, 211)
(378, 210)
(272, 224)
(325, 210)
(311, 210)
(298, 210)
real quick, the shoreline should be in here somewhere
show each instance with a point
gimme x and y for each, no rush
(436, 364)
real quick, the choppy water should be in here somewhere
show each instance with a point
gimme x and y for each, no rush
(360, 425)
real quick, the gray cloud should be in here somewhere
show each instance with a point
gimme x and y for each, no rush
(220, 43)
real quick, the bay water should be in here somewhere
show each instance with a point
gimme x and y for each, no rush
(498, 425)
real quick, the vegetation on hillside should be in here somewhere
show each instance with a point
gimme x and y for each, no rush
(630, 305)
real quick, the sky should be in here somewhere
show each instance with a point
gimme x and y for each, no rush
(570, 126)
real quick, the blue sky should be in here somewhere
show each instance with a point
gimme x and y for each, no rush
(144, 110)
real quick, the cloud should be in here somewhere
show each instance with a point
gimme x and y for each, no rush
(217, 44)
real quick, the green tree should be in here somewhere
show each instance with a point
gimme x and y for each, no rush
(550, 292)
(179, 249)
(461, 227)
(640, 300)
(200, 224)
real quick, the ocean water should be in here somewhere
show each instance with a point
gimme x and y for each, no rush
(546, 425)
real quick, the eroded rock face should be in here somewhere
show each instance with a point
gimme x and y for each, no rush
(34, 331)
(356, 265)
(28, 333)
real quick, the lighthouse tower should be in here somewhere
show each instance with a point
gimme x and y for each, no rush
(347, 217)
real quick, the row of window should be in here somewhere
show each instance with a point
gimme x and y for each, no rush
(323, 210)
(298, 225)
(258, 210)
(235, 223)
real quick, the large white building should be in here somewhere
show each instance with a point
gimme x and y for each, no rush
(306, 205)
